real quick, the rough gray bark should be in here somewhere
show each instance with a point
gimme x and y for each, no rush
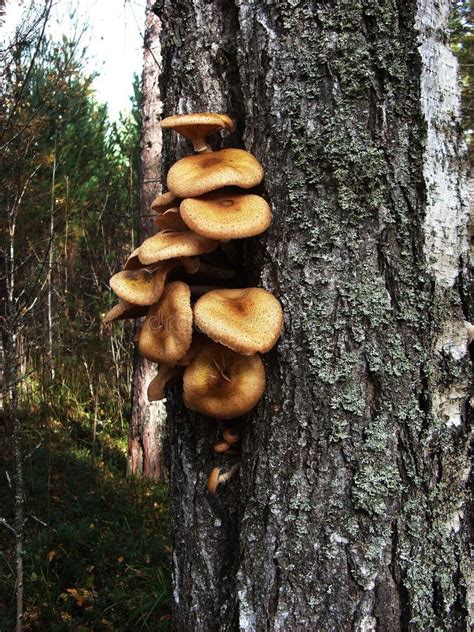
(147, 418)
(349, 510)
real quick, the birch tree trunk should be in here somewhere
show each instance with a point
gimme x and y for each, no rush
(349, 511)
(147, 418)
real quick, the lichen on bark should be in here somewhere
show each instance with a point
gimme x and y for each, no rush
(349, 511)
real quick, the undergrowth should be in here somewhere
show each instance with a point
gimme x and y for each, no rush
(96, 542)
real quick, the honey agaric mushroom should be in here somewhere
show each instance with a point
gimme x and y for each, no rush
(170, 244)
(196, 175)
(245, 320)
(221, 446)
(157, 386)
(216, 478)
(124, 310)
(231, 436)
(143, 286)
(224, 214)
(167, 331)
(171, 220)
(164, 201)
(198, 126)
(133, 262)
(223, 384)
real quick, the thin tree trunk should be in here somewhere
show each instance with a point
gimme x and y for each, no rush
(9, 329)
(349, 511)
(147, 418)
(50, 361)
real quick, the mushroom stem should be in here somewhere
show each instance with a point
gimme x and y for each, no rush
(216, 478)
(230, 251)
(199, 290)
(217, 273)
(223, 478)
(201, 147)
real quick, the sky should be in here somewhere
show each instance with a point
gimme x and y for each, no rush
(113, 41)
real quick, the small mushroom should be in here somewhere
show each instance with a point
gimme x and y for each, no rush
(133, 263)
(221, 446)
(223, 384)
(167, 331)
(231, 436)
(171, 220)
(163, 202)
(196, 175)
(124, 310)
(170, 244)
(224, 214)
(198, 126)
(143, 286)
(157, 386)
(216, 478)
(245, 320)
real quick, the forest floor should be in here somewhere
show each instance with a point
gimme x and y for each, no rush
(96, 543)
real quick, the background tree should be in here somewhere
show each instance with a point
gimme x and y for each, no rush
(147, 418)
(68, 185)
(349, 509)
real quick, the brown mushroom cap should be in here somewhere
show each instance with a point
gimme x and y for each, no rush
(224, 214)
(157, 387)
(171, 220)
(143, 286)
(221, 446)
(166, 245)
(246, 320)
(231, 436)
(133, 262)
(198, 126)
(167, 331)
(164, 201)
(223, 384)
(196, 175)
(124, 310)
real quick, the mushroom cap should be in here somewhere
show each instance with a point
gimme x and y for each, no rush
(221, 446)
(143, 286)
(224, 214)
(166, 245)
(124, 310)
(196, 175)
(157, 387)
(231, 436)
(246, 320)
(198, 126)
(163, 202)
(167, 331)
(213, 480)
(223, 384)
(171, 220)
(133, 262)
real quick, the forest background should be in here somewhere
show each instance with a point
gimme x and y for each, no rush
(96, 549)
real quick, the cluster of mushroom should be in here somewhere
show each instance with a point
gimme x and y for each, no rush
(195, 324)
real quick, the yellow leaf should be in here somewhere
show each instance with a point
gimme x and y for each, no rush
(52, 555)
(120, 559)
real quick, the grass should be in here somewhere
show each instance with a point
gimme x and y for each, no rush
(97, 550)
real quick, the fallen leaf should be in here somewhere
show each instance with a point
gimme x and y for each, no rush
(52, 555)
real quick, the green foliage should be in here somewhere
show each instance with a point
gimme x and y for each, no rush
(101, 560)
(462, 43)
(69, 195)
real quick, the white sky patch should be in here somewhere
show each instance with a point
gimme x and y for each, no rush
(112, 38)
